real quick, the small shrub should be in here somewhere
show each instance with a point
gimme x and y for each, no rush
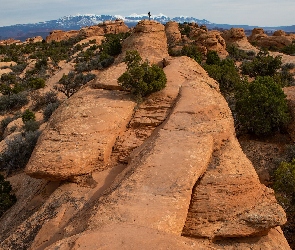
(193, 52)
(261, 106)
(226, 74)
(288, 66)
(18, 151)
(238, 54)
(112, 44)
(71, 83)
(36, 83)
(289, 50)
(262, 65)
(28, 115)
(19, 68)
(284, 78)
(212, 58)
(6, 121)
(185, 29)
(14, 101)
(31, 125)
(140, 78)
(7, 199)
(285, 181)
(40, 101)
(49, 109)
(284, 186)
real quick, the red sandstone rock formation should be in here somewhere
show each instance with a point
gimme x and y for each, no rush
(64, 150)
(149, 39)
(237, 37)
(35, 39)
(185, 184)
(278, 40)
(107, 27)
(9, 41)
(114, 27)
(60, 35)
(172, 32)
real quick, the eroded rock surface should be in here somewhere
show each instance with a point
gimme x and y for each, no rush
(60, 35)
(237, 37)
(80, 135)
(279, 39)
(107, 27)
(173, 33)
(183, 184)
(149, 39)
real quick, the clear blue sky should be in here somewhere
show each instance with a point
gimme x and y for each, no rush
(251, 12)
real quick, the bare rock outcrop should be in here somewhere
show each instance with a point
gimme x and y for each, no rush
(149, 39)
(60, 35)
(4, 67)
(185, 184)
(208, 40)
(10, 41)
(35, 39)
(92, 31)
(279, 39)
(238, 38)
(196, 146)
(7, 64)
(114, 27)
(107, 27)
(5, 71)
(80, 135)
(173, 33)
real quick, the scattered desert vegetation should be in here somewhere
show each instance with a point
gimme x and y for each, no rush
(7, 198)
(250, 82)
(141, 78)
(23, 96)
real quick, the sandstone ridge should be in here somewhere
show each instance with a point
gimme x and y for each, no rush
(169, 174)
(107, 27)
(279, 39)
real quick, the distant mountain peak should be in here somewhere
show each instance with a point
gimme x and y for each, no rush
(75, 22)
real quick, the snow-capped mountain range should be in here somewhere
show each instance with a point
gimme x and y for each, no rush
(75, 22)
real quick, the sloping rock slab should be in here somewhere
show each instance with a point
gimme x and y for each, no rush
(156, 189)
(80, 135)
(126, 237)
(108, 78)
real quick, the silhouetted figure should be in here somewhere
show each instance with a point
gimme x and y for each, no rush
(149, 16)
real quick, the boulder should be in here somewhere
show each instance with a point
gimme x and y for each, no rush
(208, 40)
(150, 40)
(80, 135)
(237, 37)
(173, 33)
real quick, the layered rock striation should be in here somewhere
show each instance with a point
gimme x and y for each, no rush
(184, 184)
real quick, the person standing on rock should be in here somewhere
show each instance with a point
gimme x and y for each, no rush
(149, 14)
